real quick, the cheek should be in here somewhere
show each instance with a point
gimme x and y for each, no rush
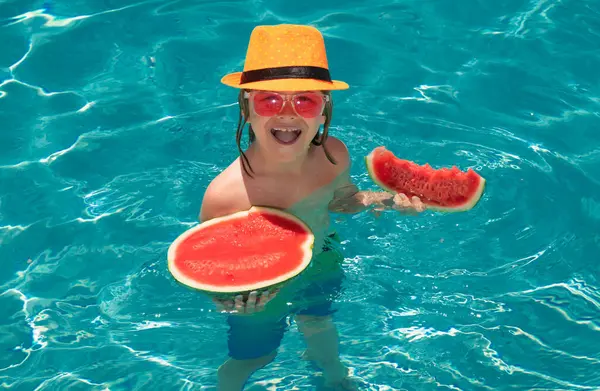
(314, 123)
(258, 127)
(257, 122)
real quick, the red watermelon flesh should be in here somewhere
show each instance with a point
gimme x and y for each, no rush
(445, 189)
(241, 252)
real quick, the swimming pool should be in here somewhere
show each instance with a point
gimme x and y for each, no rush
(114, 121)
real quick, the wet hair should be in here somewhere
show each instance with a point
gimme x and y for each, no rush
(319, 139)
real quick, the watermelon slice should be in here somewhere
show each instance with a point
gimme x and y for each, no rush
(444, 189)
(245, 251)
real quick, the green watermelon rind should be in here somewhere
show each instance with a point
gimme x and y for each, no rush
(435, 207)
(229, 290)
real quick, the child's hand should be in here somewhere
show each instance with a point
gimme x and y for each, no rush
(254, 303)
(403, 203)
(399, 202)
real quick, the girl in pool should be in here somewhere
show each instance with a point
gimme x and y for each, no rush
(285, 97)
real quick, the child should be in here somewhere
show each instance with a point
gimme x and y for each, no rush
(289, 164)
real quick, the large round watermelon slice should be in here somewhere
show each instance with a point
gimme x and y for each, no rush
(444, 189)
(241, 252)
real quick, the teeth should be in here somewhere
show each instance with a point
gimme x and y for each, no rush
(287, 129)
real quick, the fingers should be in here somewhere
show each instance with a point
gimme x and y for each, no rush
(403, 198)
(255, 302)
(251, 302)
(264, 298)
(402, 201)
(417, 204)
(239, 303)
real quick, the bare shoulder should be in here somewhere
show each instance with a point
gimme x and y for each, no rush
(339, 152)
(225, 194)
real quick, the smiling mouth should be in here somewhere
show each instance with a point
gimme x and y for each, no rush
(286, 136)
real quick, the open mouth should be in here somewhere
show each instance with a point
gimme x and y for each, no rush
(286, 136)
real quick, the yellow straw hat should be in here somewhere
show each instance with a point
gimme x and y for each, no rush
(285, 58)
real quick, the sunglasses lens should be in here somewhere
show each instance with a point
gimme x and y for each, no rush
(267, 104)
(308, 105)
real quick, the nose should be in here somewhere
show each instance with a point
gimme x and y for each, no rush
(287, 111)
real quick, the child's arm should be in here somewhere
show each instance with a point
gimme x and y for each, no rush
(349, 199)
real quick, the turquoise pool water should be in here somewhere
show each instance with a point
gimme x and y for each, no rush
(113, 122)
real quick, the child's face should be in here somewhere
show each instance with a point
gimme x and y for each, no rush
(286, 131)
